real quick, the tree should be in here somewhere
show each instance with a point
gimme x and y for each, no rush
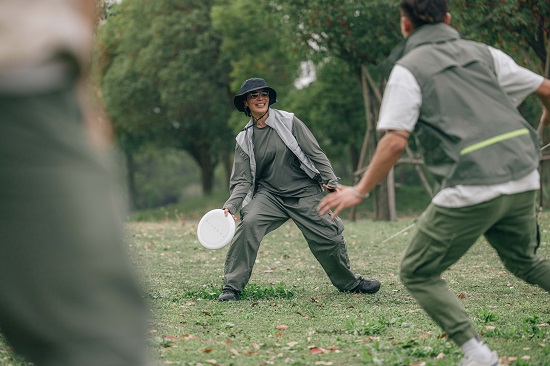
(254, 44)
(519, 27)
(359, 33)
(164, 81)
(332, 106)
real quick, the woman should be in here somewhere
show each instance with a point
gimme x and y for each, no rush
(278, 174)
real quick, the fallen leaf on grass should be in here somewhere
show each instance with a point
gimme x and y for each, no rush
(234, 351)
(282, 327)
(212, 362)
(440, 356)
(462, 295)
(291, 344)
(324, 363)
(316, 350)
(172, 338)
(208, 350)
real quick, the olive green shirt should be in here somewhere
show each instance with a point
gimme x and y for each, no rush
(277, 167)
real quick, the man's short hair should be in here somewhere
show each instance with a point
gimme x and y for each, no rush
(422, 12)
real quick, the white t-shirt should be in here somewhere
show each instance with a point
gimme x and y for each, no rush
(401, 108)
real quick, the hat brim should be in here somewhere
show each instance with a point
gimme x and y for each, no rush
(239, 99)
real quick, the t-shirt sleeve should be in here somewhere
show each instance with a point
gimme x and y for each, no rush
(401, 102)
(518, 82)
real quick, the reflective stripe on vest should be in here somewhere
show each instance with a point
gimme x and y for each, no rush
(494, 140)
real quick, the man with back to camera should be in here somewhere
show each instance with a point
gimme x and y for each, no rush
(68, 292)
(460, 98)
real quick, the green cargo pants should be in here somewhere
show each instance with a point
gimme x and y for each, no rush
(265, 213)
(444, 235)
(67, 292)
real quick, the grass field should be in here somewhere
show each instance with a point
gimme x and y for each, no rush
(291, 315)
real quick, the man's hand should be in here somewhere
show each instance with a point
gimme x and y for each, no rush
(343, 197)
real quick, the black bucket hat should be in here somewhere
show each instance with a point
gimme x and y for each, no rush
(251, 85)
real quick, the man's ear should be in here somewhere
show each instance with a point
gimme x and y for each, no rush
(406, 26)
(447, 19)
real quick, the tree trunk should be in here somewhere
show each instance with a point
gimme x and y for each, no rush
(226, 161)
(131, 180)
(207, 173)
(382, 209)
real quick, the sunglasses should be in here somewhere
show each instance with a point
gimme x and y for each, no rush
(256, 94)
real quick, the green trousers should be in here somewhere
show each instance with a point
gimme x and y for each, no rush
(444, 235)
(265, 213)
(68, 295)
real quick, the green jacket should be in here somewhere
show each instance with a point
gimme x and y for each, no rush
(313, 160)
(469, 131)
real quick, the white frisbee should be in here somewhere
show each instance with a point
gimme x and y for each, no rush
(216, 230)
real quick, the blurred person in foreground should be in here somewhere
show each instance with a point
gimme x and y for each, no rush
(278, 174)
(460, 97)
(68, 293)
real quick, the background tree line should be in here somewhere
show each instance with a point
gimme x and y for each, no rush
(167, 72)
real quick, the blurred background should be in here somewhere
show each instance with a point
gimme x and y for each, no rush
(167, 71)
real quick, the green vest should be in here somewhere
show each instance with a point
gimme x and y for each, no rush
(469, 131)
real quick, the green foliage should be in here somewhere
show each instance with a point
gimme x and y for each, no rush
(358, 32)
(520, 28)
(487, 316)
(369, 326)
(163, 79)
(254, 43)
(332, 107)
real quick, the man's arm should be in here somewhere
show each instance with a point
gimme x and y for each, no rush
(543, 92)
(387, 153)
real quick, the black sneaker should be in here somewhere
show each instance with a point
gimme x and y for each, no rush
(228, 295)
(366, 286)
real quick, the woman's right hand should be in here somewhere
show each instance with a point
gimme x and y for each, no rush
(226, 212)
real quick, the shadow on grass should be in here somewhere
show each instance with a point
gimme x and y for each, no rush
(251, 292)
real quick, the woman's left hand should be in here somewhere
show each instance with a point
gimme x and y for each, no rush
(331, 189)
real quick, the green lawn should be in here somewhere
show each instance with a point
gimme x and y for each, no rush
(291, 314)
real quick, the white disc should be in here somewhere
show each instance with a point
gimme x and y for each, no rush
(216, 230)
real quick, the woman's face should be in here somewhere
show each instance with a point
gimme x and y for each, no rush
(257, 101)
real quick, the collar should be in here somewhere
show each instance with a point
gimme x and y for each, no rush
(430, 33)
(425, 34)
